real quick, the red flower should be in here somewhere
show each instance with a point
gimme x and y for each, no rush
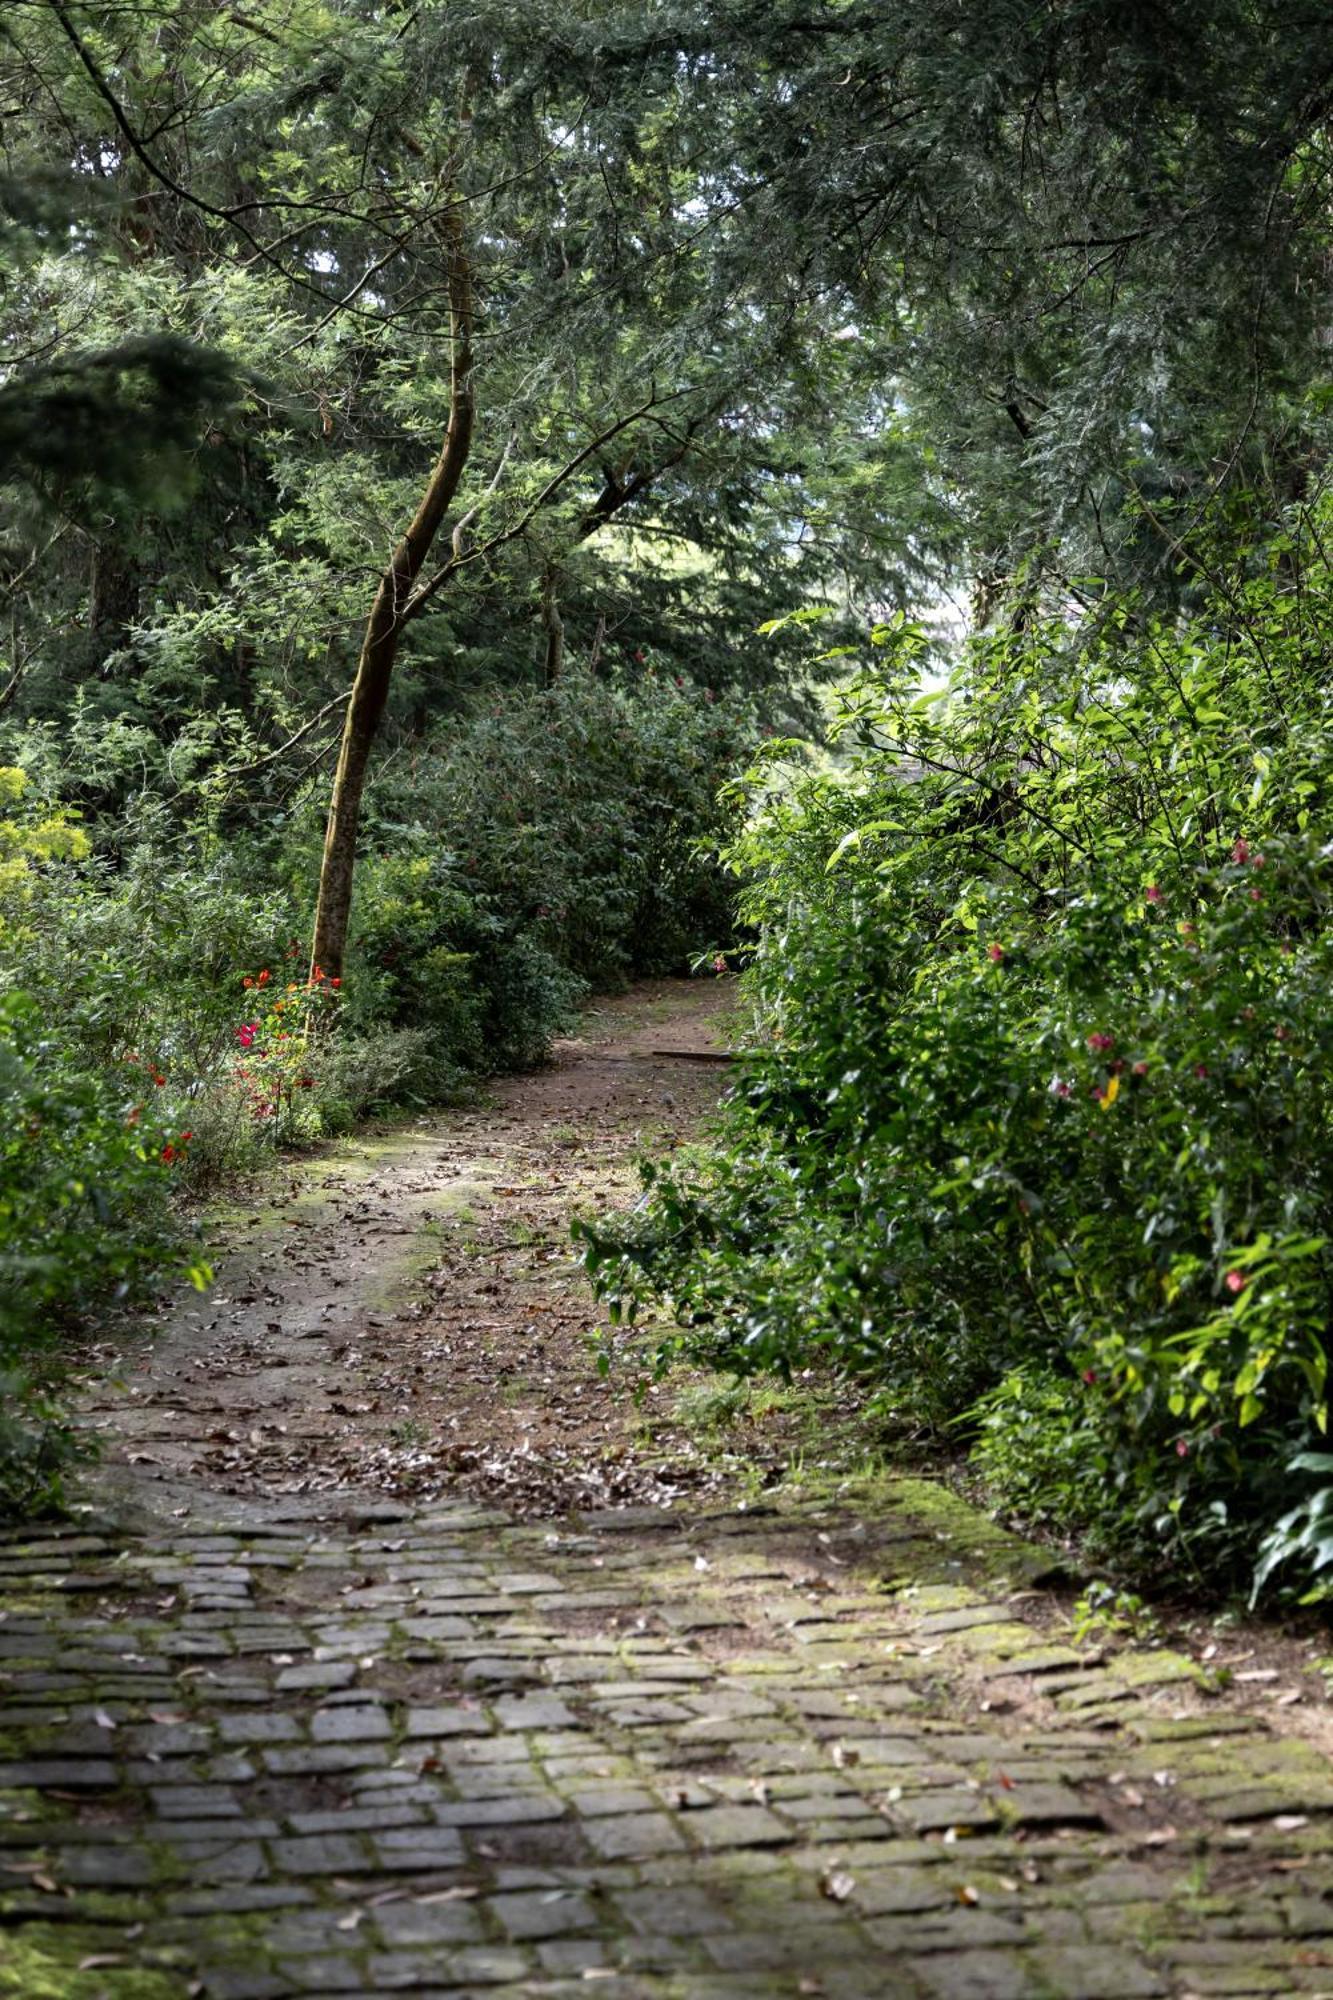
(1140, 1069)
(264, 978)
(1240, 853)
(1101, 1042)
(1089, 1376)
(247, 981)
(995, 953)
(1201, 1070)
(335, 982)
(1152, 894)
(158, 1078)
(1236, 1281)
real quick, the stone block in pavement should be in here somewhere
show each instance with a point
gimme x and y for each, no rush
(736, 1826)
(320, 1854)
(543, 1913)
(633, 1836)
(428, 1923)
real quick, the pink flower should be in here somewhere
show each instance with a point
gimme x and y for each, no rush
(1236, 1281)
(1182, 1449)
(995, 953)
(1089, 1376)
(1201, 1070)
(1101, 1042)
(1140, 1069)
(1256, 896)
(719, 963)
(1152, 894)
(1240, 853)
(1256, 861)
(1059, 1087)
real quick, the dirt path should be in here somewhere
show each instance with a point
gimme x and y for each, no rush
(298, 1709)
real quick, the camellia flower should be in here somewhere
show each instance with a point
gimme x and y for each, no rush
(1236, 1281)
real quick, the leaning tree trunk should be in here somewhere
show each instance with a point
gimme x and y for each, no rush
(388, 615)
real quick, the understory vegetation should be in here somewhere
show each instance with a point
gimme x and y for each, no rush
(163, 1027)
(1034, 1129)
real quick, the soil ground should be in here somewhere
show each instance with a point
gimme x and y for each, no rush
(397, 1649)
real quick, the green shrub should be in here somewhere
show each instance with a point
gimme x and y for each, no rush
(566, 839)
(1036, 1127)
(85, 1168)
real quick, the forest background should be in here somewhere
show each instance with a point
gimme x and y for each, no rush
(450, 453)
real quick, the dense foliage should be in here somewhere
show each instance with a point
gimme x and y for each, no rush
(492, 397)
(1036, 1127)
(161, 1028)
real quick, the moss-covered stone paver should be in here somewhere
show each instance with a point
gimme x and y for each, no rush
(252, 1753)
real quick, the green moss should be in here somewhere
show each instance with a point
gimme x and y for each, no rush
(44, 1961)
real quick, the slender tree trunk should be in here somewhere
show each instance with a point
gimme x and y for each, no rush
(553, 624)
(113, 597)
(388, 616)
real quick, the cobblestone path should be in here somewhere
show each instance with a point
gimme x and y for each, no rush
(259, 1747)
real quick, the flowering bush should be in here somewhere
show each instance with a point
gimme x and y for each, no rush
(278, 1048)
(1036, 1126)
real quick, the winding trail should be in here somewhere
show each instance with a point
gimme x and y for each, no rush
(295, 1708)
